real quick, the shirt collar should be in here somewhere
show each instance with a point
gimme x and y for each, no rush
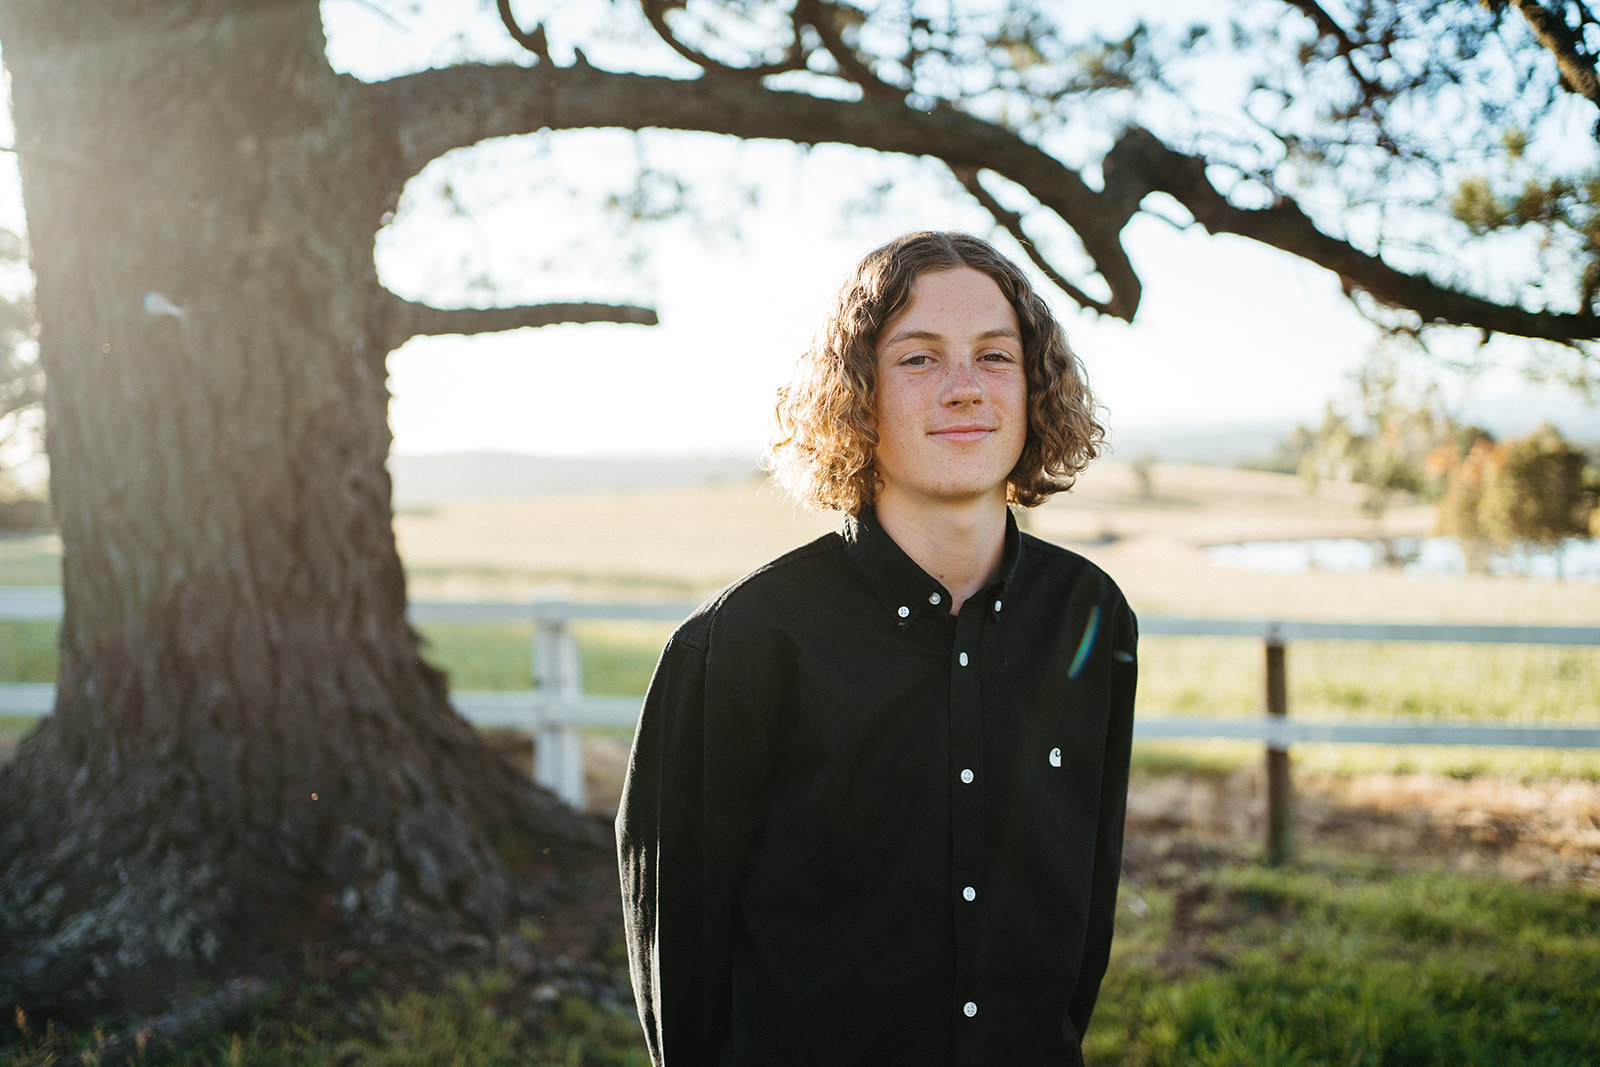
(905, 589)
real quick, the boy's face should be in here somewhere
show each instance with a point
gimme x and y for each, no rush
(952, 394)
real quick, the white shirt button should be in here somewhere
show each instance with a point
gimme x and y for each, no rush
(969, 893)
(966, 775)
(905, 612)
(933, 598)
(997, 605)
(970, 1008)
(963, 659)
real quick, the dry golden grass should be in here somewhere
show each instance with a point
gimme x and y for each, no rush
(1545, 831)
(674, 542)
(683, 543)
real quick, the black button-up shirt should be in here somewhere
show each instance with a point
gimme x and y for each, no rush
(859, 830)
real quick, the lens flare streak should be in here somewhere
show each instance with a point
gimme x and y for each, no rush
(1091, 630)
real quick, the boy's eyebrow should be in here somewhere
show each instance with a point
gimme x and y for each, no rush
(931, 335)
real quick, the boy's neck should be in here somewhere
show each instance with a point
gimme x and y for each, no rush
(961, 543)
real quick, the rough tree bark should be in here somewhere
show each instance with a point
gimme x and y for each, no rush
(246, 742)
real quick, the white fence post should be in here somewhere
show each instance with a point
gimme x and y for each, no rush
(558, 681)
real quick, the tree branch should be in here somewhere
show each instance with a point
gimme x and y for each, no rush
(852, 68)
(431, 112)
(408, 319)
(1577, 67)
(1140, 164)
(1011, 222)
(656, 12)
(534, 40)
(1347, 46)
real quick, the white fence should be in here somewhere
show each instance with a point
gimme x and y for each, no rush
(556, 709)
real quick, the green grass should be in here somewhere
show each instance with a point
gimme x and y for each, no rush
(28, 651)
(481, 655)
(482, 1019)
(1217, 961)
(617, 657)
(1222, 757)
(1333, 962)
(30, 559)
(1359, 679)
(1177, 675)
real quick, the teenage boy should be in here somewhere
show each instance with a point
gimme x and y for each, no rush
(874, 809)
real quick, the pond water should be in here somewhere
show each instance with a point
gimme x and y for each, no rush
(1575, 560)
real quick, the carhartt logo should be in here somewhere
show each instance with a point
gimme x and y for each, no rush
(1055, 757)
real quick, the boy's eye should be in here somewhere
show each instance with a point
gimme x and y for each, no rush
(916, 359)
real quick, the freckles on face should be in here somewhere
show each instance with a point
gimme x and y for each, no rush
(951, 405)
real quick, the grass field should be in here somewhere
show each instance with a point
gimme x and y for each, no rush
(33, 559)
(1338, 962)
(679, 544)
(1345, 956)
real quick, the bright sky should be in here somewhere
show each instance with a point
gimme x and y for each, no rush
(1227, 333)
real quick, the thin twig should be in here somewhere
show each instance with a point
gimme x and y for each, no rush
(851, 66)
(793, 56)
(1011, 222)
(534, 40)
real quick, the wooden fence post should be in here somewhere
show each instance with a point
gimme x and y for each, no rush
(557, 746)
(1280, 795)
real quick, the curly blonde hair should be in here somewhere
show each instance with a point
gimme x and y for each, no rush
(825, 437)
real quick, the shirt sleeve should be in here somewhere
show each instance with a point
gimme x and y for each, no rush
(686, 826)
(1113, 811)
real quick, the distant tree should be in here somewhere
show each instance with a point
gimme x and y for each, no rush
(1329, 452)
(1382, 439)
(1535, 493)
(1144, 475)
(1466, 471)
(1288, 456)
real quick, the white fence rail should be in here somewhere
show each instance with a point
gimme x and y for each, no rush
(556, 709)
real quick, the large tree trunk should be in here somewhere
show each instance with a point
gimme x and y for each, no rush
(246, 743)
